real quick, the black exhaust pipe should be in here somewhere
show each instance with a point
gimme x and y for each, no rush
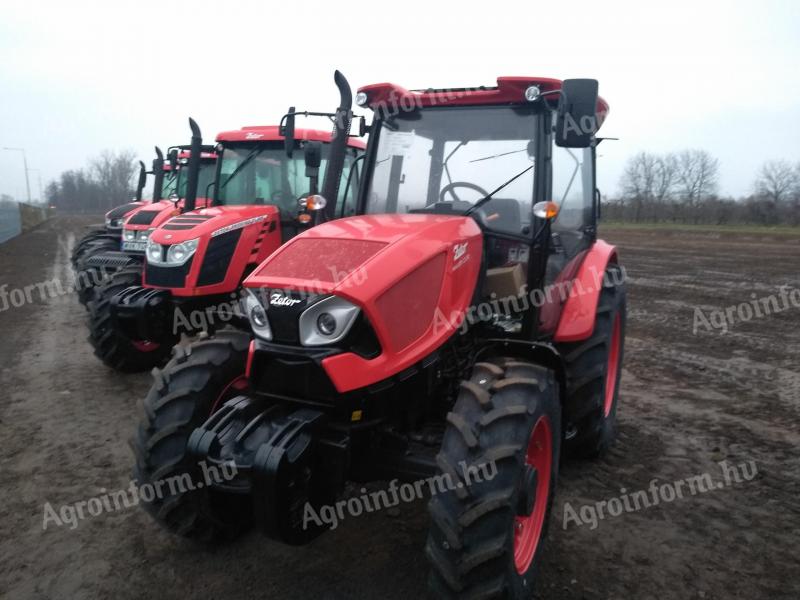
(338, 149)
(158, 174)
(141, 182)
(193, 168)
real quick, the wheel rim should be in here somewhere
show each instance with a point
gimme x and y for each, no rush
(236, 386)
(145, 345)
(528, 528)
(613, 365)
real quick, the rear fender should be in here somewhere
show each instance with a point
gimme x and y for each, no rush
(580, 310)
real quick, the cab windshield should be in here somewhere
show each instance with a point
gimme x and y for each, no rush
(446, 159)
(252, 173)
(208, 169)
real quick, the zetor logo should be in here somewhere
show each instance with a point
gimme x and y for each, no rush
(459, 250)
(278, 299)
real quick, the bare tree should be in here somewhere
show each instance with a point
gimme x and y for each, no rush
(777, 181)
(638, 182)
(113, 172)
(697, 178)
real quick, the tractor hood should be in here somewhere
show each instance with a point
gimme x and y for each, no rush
(211, 222)
(409, 274)
(156, 214)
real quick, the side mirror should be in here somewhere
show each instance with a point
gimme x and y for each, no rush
(576, 121)
(172, 157)
(362, 126)
(287, 131)
(313, 159)
(313, 155)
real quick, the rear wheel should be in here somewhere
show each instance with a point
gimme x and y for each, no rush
(111, 345)
(192, 386)
(487, 535)
(593, 368)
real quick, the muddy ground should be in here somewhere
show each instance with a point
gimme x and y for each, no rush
(689, 401)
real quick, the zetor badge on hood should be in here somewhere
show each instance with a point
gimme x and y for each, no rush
(387, 265)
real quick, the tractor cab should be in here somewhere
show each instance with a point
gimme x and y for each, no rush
(168, 197)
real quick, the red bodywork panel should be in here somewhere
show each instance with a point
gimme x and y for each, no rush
(388, 97)
(580, 310)
(260, 237)
(412, 275)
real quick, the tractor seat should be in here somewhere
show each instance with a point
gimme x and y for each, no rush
(503, 214)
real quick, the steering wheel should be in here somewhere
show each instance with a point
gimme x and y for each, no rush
(450, 187)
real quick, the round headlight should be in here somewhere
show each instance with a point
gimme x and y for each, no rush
(145, 235)
(532, 93)
(154, 252)
(258, 316)
(129, 235)
(326, 323)
(361, 98)
(177, 253)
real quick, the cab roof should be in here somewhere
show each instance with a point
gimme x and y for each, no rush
(509, 90)
(270, 133)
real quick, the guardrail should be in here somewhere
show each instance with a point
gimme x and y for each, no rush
(17, 217)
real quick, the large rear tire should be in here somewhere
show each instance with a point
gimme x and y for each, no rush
(90, 246)
(197, 381)
(593, 369)
(111, 345)
(486, 537)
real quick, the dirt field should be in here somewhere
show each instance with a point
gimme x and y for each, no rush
(689, 401)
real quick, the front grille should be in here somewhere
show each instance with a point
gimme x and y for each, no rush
(143, 217)
(175, 277)
(218, 257)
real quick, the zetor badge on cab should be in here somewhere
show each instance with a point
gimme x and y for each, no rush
(462, 330)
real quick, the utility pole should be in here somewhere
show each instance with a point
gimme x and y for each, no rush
(25, 164)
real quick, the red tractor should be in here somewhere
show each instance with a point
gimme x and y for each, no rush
(196, 261)
(461, 332)
(99, 263)
(108, 236)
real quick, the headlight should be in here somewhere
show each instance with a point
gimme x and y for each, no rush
(129, 235)
(113, 223)
(327, 321)
(257, 315)
(154, 253)
(180, 253)
(145, 235)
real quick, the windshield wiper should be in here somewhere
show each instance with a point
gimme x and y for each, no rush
(253, 153)
(498, 155)
(488, 196)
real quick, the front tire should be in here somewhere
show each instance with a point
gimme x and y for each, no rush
(111, 345)
(192, 386)
(486, 537)
(593, 370)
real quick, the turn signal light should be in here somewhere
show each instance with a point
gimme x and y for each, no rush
(545, 210)
(304, 218)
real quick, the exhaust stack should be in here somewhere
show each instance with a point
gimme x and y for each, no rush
(141, 182)
(193, 169)
(158, 174)
(338, 148)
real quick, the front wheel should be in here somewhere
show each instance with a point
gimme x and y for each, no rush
(499, 461)
(593, 370)
(193, 385)
(111, 345)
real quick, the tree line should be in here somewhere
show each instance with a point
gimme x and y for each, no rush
(682, 187)
(107, 181)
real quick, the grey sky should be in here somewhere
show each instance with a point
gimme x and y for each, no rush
(79, 77)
